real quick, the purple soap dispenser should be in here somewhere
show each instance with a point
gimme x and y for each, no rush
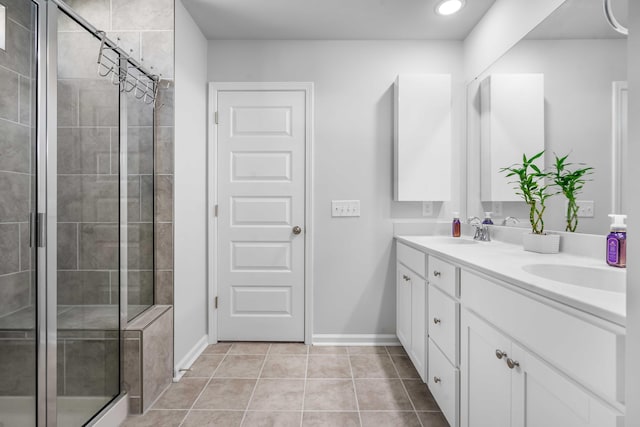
(617, 242)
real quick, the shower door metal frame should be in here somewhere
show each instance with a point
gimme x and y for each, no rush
(47, 169)
(40, 170)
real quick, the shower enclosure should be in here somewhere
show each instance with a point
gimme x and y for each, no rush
(76, 213)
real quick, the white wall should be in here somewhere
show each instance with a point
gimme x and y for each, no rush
(502, 26)
(577, 77)
(190, 281)
(354, 261)
(633, 255)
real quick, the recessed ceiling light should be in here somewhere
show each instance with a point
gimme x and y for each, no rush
(449, 7)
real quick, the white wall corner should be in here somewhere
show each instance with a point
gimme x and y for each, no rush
(185, 363)
(500, 29)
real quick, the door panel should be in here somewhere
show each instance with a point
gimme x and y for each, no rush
(486, 384)
(403, 306)
(261, 184)
(543, 397)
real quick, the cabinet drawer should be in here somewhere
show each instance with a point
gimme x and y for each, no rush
(412, 258)
(443, 275)
(443, 323)
(444, 383)
(591, 354)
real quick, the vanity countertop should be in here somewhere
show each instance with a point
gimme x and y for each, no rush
(505, 262)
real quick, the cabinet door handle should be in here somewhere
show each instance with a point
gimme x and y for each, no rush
(406, 278)
(512, 363)
(436, 273)
(500, 354)
(436, 320)
(436, 380)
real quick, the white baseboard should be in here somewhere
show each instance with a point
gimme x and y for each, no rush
(189, 358)
(356, 339)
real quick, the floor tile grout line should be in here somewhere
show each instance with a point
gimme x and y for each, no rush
(404, 388)
(244, 416)
(304, 390)
(204, 388)
(353, 383)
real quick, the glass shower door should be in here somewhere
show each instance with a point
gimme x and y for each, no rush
(18, 290)
(87, 227)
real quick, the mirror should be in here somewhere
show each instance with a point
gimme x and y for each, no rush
(583, 62)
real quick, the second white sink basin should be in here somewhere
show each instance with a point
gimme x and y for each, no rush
(605, 279)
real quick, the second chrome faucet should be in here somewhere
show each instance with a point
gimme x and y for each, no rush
(482, 232)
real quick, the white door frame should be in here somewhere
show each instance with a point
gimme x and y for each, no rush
(212, 197)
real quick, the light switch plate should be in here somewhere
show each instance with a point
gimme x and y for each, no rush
(427, 208)
(342, 208)
(586, 208)
(496, 209)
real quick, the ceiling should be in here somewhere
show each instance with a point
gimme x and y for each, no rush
(332, 19)
(580, 19)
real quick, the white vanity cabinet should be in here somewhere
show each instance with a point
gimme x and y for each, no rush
(443, 327)
(411, 304)
(527, 363)
(503, 385)
(494, 353)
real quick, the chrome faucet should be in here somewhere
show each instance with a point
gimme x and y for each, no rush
(509, 219)
(482, 233)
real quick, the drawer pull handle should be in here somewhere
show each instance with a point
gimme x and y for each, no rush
(436, 380)
(512, 363)
(406, 278)
(436, 273)
(500, 354)
(436, 320)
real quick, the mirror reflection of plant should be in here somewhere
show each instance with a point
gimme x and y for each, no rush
(570, 182)
(532, 187)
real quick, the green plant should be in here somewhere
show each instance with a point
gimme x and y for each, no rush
(570, 182)
(532, 187)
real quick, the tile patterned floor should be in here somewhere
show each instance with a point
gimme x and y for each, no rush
(282, 385)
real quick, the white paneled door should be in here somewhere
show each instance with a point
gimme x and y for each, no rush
(261, 137)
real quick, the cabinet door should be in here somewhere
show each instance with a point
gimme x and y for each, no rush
(403, 306)
(544, 397)
(418, 324)
(486, 379)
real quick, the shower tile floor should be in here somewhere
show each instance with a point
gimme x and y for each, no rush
(261, 384)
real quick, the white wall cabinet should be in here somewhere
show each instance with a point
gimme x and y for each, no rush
(503, 385)
(423, 137)
(511, 124)
(411, 305)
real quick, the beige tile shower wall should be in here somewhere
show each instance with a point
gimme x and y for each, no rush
(145, 29)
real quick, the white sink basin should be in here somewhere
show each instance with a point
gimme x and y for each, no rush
(453, 240)
(602, 278)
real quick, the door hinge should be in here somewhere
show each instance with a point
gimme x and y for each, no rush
(215, 211)
(216, 117)
(215, 302)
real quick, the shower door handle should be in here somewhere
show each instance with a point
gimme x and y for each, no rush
(30, 229)
(41, 235)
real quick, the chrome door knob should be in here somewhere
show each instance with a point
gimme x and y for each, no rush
(436, 380)
(436, 320)
(436, 273)
(297, 230)
(500, 354)
(512, 363)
